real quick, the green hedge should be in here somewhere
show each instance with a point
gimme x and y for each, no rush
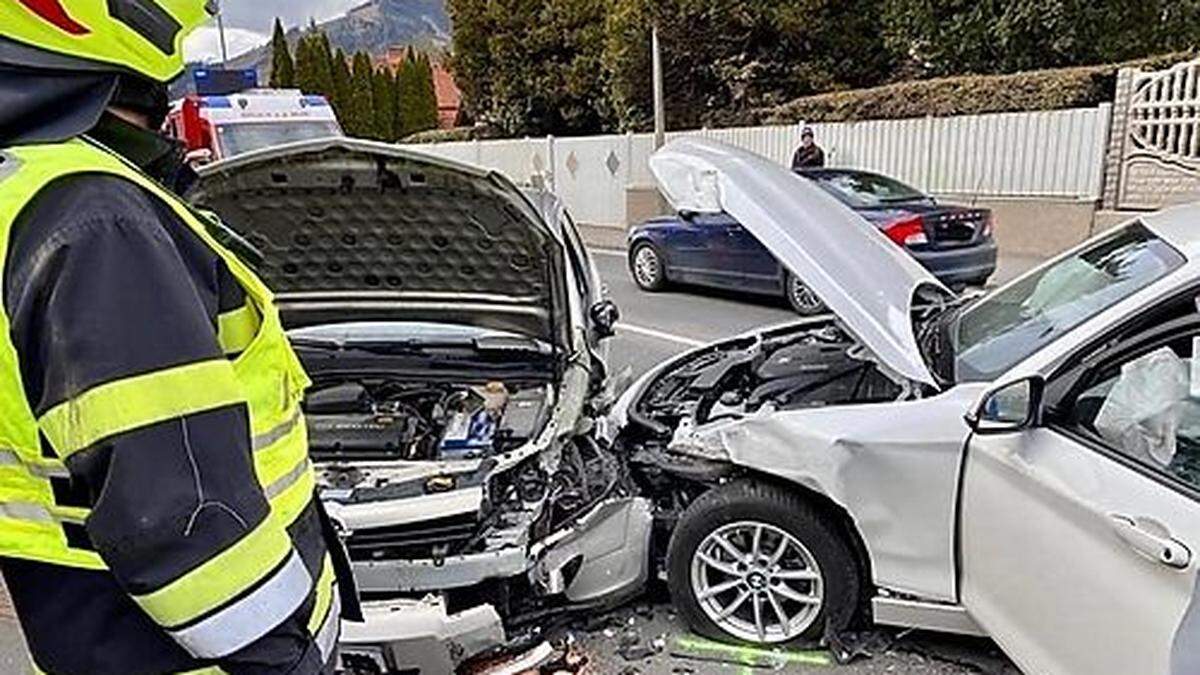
(1078, 87)
(475, 133)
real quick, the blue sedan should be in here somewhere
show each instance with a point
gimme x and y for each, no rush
(955, 243)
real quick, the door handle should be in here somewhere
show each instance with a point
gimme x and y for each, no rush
(1152, 540)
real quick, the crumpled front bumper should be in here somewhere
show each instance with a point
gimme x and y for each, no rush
(603, 556)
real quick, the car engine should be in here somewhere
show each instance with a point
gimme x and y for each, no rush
(785, 370)
(380, 419)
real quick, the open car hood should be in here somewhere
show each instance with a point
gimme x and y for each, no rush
(868, 281)
(353, 230)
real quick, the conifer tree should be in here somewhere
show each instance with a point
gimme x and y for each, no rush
(409, 95)
(283, 70)
(360, 120)
(306, 67)
(323, 59)
(383, 84)
(341, 83)
(427, 104)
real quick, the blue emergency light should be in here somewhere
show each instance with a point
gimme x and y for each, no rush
(221, 82)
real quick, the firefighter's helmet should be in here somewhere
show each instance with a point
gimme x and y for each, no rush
(142, 37)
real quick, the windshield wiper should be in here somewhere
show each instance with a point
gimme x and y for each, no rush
(374, 346)
(313, 343)
(479, 345)
(507, 344)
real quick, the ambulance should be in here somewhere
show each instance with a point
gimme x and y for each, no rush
(229, 116)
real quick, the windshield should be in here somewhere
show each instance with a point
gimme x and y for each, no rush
(1004, 328)
(859, 189)
(236, 139)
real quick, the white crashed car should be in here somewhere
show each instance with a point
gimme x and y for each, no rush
(1025, 464)
(453, 326)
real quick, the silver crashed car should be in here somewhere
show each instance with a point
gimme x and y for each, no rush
(1024, 464)
(453, 327)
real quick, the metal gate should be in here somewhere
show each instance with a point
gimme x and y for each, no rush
(1156, 138)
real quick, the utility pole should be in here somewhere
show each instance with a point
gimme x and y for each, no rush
(221, 30)
(660, 114)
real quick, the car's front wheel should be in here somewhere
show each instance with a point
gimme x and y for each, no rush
(646, 264)
(758, 564)
(801, 298)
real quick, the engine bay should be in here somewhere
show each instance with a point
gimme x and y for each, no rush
(384, 419)
(785, 370)
(410, 443)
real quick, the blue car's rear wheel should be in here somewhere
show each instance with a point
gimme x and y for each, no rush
(647, 266)
(801, 298)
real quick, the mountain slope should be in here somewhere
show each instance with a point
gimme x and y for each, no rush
(371, 27)
(379, 24)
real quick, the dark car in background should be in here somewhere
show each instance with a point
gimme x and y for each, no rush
(955, 243)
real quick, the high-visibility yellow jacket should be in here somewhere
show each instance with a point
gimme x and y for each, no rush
(222, 550)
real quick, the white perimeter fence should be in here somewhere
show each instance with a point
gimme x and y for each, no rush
(1055, 154)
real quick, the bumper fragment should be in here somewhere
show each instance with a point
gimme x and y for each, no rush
(419, 636)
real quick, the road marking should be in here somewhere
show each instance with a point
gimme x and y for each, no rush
(661, 335)
(620, 253)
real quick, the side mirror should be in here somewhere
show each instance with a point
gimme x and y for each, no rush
(605, 315)
(1015, 406)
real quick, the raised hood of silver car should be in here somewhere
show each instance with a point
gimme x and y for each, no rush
(358, 230)
(868, 281)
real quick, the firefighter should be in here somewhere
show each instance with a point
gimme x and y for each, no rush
(157, 510)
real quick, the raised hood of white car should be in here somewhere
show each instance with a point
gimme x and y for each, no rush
(865, 279)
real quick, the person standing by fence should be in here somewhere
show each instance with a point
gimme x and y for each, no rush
(809, 154)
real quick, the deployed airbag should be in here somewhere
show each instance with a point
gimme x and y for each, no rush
(1142, 411)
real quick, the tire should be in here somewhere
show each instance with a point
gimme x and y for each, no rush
(647, 266)
(735, 511)
(802, 300)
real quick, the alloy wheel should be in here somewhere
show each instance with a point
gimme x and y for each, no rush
(757, 582)
(647, 267)
(803, 298)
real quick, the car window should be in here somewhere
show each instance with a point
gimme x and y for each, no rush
(1145, 407)
(1006, 327)
(240, 138)
(858, 189)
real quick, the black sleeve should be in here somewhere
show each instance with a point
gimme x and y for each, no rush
(107, 309)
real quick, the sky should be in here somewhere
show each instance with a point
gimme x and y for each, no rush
(248, 23)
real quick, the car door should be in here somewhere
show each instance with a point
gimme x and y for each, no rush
(699, 250)
(1080, 533)
(749, 259)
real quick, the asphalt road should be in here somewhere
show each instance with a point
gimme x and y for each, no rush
(653, 327)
